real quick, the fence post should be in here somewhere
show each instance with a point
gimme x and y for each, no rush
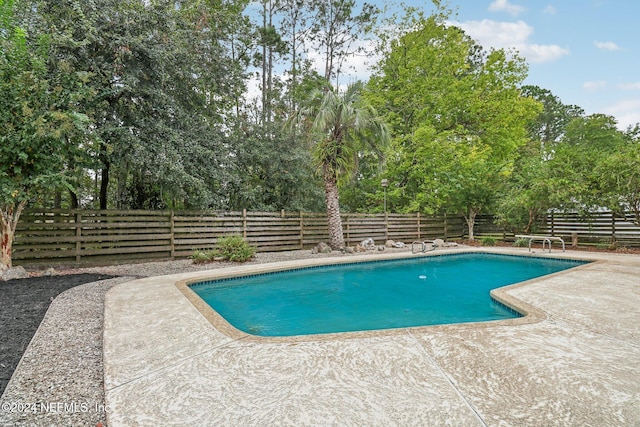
(78, 220)
(446, 228)
(419, 226)
(301, 231)
(348, 230)
(386, 226)
(552, 225)
(613, 228)
(172, 222)
(244, 223)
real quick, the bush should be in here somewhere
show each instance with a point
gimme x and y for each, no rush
(234, 248)
(488, 241)
(202, 257)
(521, 243)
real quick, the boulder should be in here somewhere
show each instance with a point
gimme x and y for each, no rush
(321, 248)
(438, 243)
(50, 272)
(15, 273)
(393, 244)
(368, 244)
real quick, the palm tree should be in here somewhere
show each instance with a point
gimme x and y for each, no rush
(340, 126)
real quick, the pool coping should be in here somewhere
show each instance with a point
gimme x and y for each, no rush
(529, 313)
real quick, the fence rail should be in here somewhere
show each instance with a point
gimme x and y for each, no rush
(82, 237)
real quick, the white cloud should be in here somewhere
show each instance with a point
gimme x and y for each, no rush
(627, 112)
(505, 6)
(595, 85)
(549, 10)
(629, 86)
(606, 45)
(512, 35)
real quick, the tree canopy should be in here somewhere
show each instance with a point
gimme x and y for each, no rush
(164, 104)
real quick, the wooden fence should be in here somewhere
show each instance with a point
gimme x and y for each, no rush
(604, 228)
(81, 237)
(598, 228)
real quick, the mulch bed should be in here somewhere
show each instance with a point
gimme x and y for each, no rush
(23, 304)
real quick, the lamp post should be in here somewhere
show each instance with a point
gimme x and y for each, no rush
(385, 183)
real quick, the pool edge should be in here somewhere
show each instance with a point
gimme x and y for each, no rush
(530, 313)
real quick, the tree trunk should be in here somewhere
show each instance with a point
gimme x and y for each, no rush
(73, 200)
(9, 216)
(471, 221)
(336, 238)
(532, 218)
(104, 181)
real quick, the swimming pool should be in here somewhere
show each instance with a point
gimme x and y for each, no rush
(421, 291)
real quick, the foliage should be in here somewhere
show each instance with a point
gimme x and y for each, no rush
(234, 248)
(336, 29)
(144, 104)
(273, 171)
(521, 243)
(488, 241)
(339, 126)
(164, 83)
(457, 116)
(38, 116)
(619, 176)
(551, 124)
(228, 248)
(202, 257)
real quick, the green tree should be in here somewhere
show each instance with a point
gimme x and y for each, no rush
(588, 142)
(340, 125)
(336, 29)
(534, 188)
(551, 124)
(36, 116)
(457, 116)
(272, 171)
(165, 80)
(620, 180)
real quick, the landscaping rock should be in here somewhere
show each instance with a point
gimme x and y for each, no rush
(394, 244)
(321, 248)
(50, 272)
(368, 244)
(438, 243)
(15, 273)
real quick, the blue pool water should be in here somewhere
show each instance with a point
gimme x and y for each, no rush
(373, 295)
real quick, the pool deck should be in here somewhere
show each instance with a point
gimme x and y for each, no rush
(574, 361)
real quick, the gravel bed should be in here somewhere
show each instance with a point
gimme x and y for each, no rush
(60, 378)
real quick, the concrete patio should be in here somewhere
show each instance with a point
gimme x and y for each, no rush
(573, 361)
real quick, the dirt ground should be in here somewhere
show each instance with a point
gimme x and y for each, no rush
(23, 304)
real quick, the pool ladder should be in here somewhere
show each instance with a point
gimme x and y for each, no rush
(423, 247)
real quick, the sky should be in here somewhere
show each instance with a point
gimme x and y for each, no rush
(586, 52)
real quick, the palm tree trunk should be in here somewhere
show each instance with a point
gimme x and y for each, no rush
(336, 238)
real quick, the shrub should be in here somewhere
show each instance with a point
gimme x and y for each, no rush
(234, 248)
(488, 241)
(521, 243)
(202, 257)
